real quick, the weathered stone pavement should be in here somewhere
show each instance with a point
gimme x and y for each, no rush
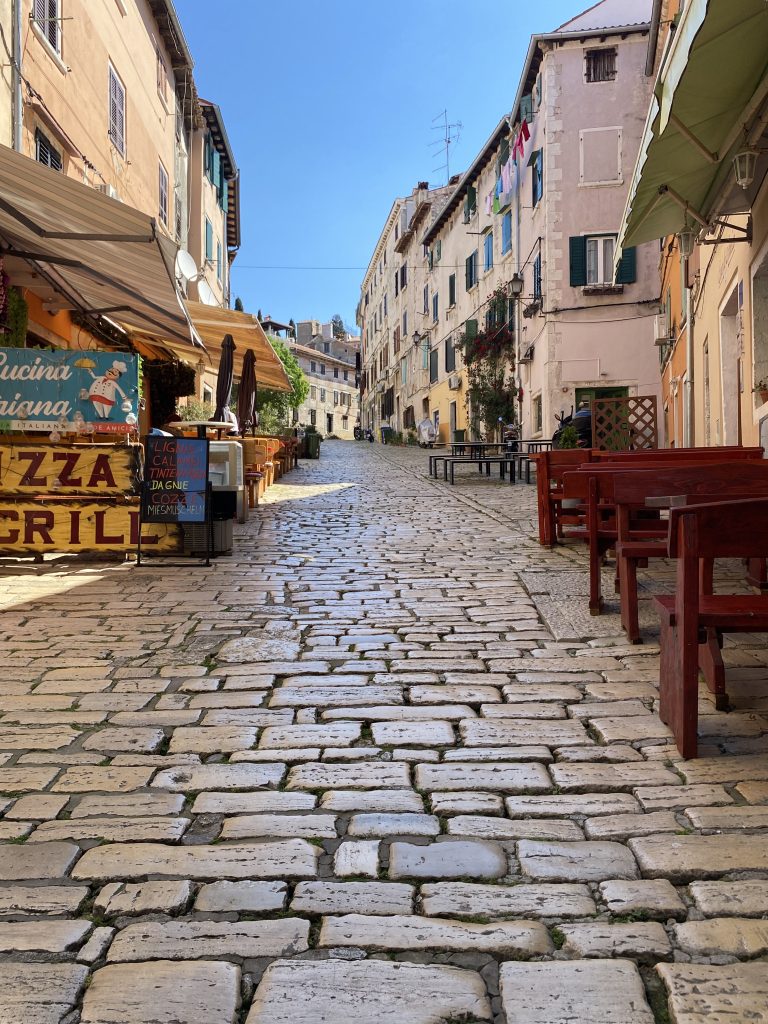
(379, 765)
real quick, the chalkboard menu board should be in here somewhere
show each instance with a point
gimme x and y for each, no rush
(175, 486)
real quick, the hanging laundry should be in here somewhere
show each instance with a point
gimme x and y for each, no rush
(497, 190)
(488, 202)
(496, 205)
(524, 132)
(506, 181)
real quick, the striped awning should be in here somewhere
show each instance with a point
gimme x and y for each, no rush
(103, 257)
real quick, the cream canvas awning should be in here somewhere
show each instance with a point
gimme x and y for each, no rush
(711, 87)
(102, 256)
(213, 322)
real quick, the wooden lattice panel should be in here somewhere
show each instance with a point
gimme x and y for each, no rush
(625, 424)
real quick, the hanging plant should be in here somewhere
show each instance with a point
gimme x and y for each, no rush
(489, 357)
(16, 319)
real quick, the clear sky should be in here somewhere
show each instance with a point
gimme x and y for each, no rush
(329, 106)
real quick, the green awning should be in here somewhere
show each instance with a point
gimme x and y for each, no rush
(711, 86)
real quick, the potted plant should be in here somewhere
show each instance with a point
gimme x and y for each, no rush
(761, 388)
(569, 437)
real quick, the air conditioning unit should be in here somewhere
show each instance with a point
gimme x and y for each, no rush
(454, 382)
(661, 329)
(108, 190)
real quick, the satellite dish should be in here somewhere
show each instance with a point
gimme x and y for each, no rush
(205, 294)
(186, 268)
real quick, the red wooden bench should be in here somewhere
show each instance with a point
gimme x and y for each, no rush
(691, 616)
(550, 467)
(704, 483)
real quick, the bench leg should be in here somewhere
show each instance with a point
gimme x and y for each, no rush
(595, 583)
(627, 570)
(679, 687)
(713, 670)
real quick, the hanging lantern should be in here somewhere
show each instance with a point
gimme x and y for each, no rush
(126, 406)
(744, 164)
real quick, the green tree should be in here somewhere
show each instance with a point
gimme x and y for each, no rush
(239, 305)
(259, 317)
(275, 406)
(339, 330)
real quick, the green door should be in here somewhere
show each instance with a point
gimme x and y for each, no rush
(589, 394)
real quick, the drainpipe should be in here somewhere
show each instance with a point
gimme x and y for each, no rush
(18, 109)
(688, 423)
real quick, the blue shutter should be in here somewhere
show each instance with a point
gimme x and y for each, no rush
(577, 251)
(506, 232)
(626, 272)
(208, 239)
(224, 198)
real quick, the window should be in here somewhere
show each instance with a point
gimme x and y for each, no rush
(207, 396)
(346, 375)
(435, 307)
(405, 325)
(208, 241)
(312, 391)
(47, 16)
(450, 356)
(322, 394)
(162, 75)
(312, 366)
(396, 340)
(424, 355)
(488, 251)
(438, 250)
(397, 283)
(336, 372)
(470, 203)
(452, 290)
(433, 365)
(322, 369)
(506, 232)
(163, 195)
(601, 65)
(537, 277)
(425, 308)
(327, 344)
(385, 303)
(312, 418)
(537, 415)
(45, 153)
(345, 422)
(219, 263)
(470, 269)
(116, 111)
(335, 397)
(537, 175)
(600, 260)
(403, 371)
(403, 276)
(178, 216)
(591, 261)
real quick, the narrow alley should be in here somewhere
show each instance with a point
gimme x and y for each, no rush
(382, 765)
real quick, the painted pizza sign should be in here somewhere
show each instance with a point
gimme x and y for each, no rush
(66, 390)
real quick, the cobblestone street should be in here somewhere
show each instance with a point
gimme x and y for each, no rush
(380, 765)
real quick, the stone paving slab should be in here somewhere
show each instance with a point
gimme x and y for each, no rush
(163, 992)
(703, 993)
(183, 940)
(521, 938)
(598, 991)
(39, 993)
(368, 992)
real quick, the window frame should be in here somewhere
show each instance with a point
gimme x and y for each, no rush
(598, 243)
(434, 365)
(470, 270)
(114, 79)
(487, 251)
(506, 226)
(435, 307)
(163, 197)
(208, 240)
(48, 25)
(590, 60)
(42, 140)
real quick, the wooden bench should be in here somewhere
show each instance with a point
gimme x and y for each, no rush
(693, 616)
(502, 461)
(704, 483)
(550, 468)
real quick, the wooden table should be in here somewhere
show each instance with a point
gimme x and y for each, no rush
(203, 426)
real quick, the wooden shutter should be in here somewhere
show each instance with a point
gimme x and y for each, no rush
(439, 247)
(450, 356)
(116, 112)
(626, 272)
(526, 108)
(470, 328)
(468, 272)
(577, 259)
(452, 290)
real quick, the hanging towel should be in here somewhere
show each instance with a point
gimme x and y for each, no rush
(497, 191)
(496, 204)
(524, 132)
(488, 202)
(506, 177)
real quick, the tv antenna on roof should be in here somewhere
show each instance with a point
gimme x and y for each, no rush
(451, 133)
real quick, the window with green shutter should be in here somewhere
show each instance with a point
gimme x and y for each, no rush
(470, 329)
(537, 175)
(208, 240)
(450, 356)
(439, 250)
(470, 270)
(452, 290)
(577, 258)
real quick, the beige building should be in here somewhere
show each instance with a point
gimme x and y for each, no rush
(394, 316)
(331, 366)
(7, 78)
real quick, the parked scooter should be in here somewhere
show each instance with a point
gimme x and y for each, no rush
(426, 433)
(581, 421)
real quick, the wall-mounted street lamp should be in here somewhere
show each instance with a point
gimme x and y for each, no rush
(516, 285)
(744, 164)
(685, 241)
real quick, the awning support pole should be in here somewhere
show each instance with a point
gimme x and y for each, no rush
(688, 411)
(697, 144)
(683, 204)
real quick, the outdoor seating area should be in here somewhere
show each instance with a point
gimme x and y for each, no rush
(691, 506)
(512, 458)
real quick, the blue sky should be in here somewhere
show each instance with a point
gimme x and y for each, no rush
(329, 109)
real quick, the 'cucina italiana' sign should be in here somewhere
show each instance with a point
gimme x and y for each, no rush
(66, 390)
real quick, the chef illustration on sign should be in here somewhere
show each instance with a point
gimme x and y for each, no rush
(102, 392)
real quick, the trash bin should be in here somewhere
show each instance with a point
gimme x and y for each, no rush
(459, 436)
(312, 442)
(386, 434)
